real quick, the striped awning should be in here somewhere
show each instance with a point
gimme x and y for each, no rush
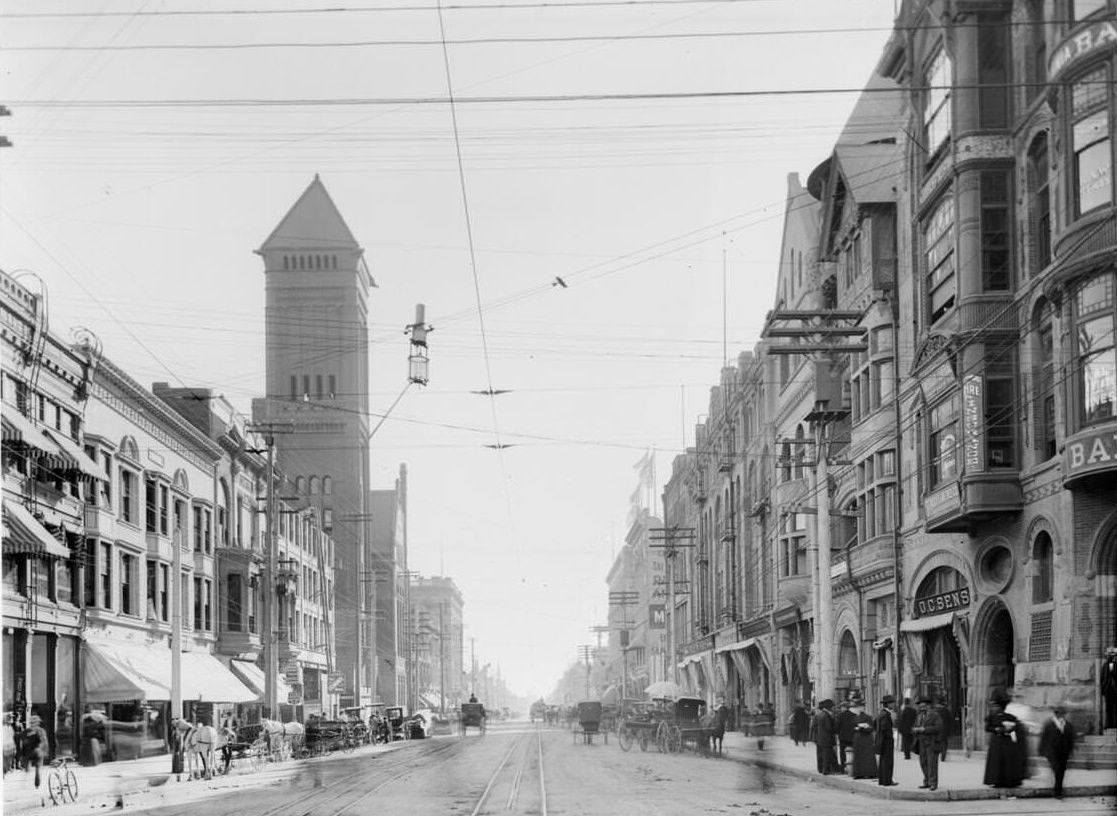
(74, 456)
(18, 428)
(24, 534)
(117, 671)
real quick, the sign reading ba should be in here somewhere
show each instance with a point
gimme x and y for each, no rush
(943, 602)
(657, 616)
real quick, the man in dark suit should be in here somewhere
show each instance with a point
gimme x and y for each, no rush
(1057, 744)
(825, 735)
(884, 743)
(947, 717)
(846, 723)
(926, 734)
(905, 724)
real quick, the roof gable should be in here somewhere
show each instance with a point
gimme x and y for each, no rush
(314, 222)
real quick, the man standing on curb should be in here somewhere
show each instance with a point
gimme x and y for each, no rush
(1057, 744)
(926, 734)
(884, 741)
(846, 723)
(824, 738)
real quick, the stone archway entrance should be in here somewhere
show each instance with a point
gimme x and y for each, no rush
(994, 662)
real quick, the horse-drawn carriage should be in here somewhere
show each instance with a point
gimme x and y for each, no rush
(538, 711)
(472, 716)
(589, 722)
(668, 724)
(326, 736)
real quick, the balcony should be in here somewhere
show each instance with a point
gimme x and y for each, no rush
(959, 505)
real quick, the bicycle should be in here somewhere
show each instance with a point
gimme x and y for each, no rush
(62, 782)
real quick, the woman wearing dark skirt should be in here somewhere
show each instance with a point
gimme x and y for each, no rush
(864, 757)
(800, 724)
(1006, 762)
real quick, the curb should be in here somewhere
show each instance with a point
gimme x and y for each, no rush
(837, 782)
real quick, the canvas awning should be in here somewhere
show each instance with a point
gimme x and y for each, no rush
(23, 533)
(75, 457)
(928, 623)
(19, 427)
(253, 677)
(142, 671)
(126, 671)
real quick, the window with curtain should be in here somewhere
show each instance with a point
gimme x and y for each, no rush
(1092, 185)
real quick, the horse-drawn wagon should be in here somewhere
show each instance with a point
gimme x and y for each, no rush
(326, 736)
(472, 716)
(668, 724)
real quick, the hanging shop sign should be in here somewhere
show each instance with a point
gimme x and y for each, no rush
(657, 616)
(943, 602)
(973, 423)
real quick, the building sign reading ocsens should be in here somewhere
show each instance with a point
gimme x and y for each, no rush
(943, 602)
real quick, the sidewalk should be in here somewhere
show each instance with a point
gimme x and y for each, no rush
(959, 777)
(147, 782)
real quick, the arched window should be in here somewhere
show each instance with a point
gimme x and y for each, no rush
(223, 513)
(327, 485)
(1043, 572)
(847, 656)
(1043, 373)
(1040, 202)
(300, 485)
(313, 486)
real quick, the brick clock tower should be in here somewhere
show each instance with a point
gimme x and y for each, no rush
(317, 288)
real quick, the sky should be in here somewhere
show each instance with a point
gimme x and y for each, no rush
(639, 151)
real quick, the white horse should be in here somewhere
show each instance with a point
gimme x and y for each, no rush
(201, 744)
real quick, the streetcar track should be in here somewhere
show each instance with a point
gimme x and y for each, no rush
(522, 745)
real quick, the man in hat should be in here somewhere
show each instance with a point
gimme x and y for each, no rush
(906, 722)
(847, 722)
(884, 743)
(1057, 744)
(925, 734)
(34, 746)
(825, 736)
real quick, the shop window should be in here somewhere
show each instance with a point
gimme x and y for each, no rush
(1043, 570)
(943, 441)
(1095, 315)
(1040, 203)
(1092, 185)
(936, 102)
(938, 242)
(996, 237)
(993, 50)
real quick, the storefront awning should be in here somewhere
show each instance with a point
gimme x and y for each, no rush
(23, 533)
(142, 671)
(205, 679)
(928, 623)
(75, 457)
(20, 428)
(253, 677)
(126, 671)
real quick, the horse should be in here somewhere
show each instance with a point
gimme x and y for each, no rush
(200, 742)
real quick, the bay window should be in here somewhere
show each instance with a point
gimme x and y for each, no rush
(938, 242)
(936, 101)
(943, 441)
(1092, 186)
(1095, 320)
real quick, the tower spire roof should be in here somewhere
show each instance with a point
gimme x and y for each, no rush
(313, 222)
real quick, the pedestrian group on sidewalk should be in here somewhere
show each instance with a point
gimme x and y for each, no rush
(855, 742)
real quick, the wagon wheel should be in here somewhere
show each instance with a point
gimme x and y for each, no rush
(661, 737)
(674, 739)
(644, 739)
(624, 737)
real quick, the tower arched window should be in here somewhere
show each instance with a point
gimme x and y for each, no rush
(313, 485)
(327, 485)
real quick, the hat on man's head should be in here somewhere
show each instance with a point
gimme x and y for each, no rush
(924, 699)
(827, 703)
(887, 699)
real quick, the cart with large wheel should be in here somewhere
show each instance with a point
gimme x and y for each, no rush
(472, 716)
(640, 724)
(685, 724)
(589, 722)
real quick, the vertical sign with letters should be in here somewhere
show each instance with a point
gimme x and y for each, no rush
(973, 424)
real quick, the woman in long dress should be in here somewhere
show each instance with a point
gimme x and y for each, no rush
(1006, 761)
(864, 754)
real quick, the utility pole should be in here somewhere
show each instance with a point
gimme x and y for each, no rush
(175, 592)
(624, 599)
(823, 332)
(586, 652)
(671, 536)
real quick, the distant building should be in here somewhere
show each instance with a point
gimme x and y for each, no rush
(436, 610)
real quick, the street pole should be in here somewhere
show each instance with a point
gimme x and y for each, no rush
(271, 668)
(175, 592)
